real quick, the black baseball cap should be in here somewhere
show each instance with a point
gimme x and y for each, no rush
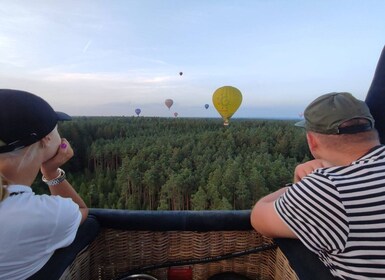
(25, 118)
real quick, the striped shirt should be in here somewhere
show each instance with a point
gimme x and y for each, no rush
(339, 213)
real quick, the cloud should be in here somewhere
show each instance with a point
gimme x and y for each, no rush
(9, 56)
(87, 46)
(128, 78)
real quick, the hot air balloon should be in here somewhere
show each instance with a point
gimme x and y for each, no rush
(169, 103)
(137, 111)
(180, 73)
(375, 96)
(175, 114)
(227, 100)
(206, 106)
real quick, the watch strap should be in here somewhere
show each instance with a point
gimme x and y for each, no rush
(56, 181)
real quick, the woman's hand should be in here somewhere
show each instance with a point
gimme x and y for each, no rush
(63, 154)
(308, 167)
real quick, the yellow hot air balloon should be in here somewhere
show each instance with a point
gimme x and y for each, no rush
(227, 100)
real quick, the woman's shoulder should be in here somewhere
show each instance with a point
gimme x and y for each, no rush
(23, 201)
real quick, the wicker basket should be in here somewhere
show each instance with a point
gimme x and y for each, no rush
(115, 252)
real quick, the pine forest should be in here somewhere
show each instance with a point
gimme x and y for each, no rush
(146, 163)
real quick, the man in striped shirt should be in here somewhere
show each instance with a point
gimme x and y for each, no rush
(336, 204)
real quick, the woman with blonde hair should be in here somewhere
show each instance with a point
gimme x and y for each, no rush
(40, 234)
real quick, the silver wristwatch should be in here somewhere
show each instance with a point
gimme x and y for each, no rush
(57, 180)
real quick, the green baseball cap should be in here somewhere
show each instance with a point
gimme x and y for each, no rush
(326, 114)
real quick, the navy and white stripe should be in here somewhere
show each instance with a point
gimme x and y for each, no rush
(339, 213)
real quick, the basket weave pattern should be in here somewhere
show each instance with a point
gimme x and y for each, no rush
(115, 252)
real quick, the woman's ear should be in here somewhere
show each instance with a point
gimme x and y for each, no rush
(44, 142)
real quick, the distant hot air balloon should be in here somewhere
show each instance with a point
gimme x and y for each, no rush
(169, 103)
(180, 73)
(175, 114)
(206, 106)
(227, 100)
(137, 111)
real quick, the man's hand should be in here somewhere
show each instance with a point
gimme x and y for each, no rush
(308, 167)
(63, 154)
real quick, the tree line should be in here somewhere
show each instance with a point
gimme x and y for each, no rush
(179, 163)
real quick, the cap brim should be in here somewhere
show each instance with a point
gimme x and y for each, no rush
(63, 116)
(301, 123)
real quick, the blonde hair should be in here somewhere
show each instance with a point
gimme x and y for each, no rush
(15, 160)
(3, 189)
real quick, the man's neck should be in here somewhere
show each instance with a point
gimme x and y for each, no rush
(339, 158)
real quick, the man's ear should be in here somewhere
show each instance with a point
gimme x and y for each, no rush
(312, 141)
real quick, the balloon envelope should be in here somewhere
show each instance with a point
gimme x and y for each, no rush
(376, 97)
(206, 106)
(180, 73)
(227, 100)
(137, 111)
(175, 114)
(169, 103)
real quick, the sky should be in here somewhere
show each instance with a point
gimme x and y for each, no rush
(109, 57)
